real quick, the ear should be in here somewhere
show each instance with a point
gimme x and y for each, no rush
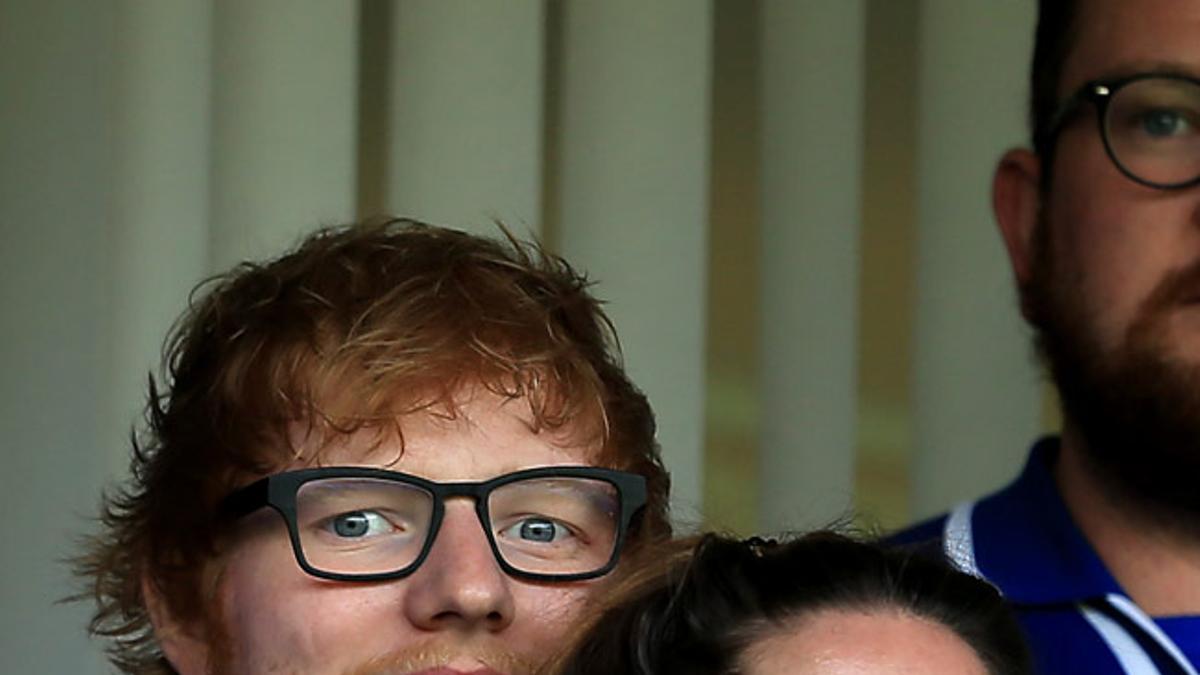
(180, 643)
(1016, 202)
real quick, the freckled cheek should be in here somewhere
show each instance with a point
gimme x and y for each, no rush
(261, 610)
(546, 614)
(278, 615)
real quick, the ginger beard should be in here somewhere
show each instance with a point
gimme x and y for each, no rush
(413, 659)
(1135, 406)
(437, 655)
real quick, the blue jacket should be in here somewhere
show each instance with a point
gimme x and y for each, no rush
(1075, 615)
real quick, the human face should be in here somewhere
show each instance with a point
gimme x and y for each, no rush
(1114, 242)
(1110, 271)
(841, 642)
(457, 613)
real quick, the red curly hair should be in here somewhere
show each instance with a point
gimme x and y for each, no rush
(400, 314)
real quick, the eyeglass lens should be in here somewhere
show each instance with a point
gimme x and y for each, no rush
(555, 525)
(1153, 130)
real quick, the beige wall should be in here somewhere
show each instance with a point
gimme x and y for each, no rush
(772, 196)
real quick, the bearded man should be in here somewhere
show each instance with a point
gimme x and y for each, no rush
(1097, 543)
(396, 449)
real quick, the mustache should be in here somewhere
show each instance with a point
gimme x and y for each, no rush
(437, 654)
(1179, 286)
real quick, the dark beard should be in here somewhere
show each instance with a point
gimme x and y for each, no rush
(1136, 408)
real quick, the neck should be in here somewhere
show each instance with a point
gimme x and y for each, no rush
(1157, 564)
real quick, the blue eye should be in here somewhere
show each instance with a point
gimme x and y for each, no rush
(537, 530)
(359, 524)
(1163, 123)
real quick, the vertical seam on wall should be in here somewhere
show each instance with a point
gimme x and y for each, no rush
(552, 72)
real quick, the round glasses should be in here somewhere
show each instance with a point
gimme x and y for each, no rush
(1150, 125)
(361, 524)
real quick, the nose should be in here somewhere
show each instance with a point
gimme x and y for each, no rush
(460, 586)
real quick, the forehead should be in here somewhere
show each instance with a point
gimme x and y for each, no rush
(484, 436)
(850, 642)
(1122, 37)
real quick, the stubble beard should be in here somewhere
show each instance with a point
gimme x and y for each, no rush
(432, 655)
(413, 658)
(1135, 406)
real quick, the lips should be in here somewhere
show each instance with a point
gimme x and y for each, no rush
(455, 671)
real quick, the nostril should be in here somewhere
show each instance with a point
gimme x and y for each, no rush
(448, 618)
(444, 617)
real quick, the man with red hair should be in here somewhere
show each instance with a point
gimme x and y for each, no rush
(396, 449)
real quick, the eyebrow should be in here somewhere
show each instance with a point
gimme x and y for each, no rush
(1173, 68)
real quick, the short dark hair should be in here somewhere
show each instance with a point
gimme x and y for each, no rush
(696, 609)
(401, 314)
(1052, 43)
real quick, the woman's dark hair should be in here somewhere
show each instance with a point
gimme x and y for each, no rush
(702, 602)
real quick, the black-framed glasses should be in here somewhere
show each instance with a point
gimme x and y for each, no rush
(560, 523)
(1149, 123)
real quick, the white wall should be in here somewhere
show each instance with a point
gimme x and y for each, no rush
(284, 118)
(811, 193)
(465, 99)
(55, 185)
(977, 395)
(634, 176)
